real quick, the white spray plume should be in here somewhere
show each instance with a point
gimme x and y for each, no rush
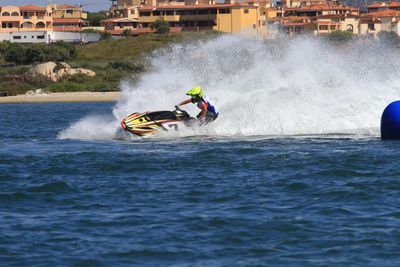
(271, 87)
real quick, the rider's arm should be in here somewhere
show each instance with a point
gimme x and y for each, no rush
(185, 102)
(203, 110)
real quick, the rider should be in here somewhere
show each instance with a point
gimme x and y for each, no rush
(209, 111)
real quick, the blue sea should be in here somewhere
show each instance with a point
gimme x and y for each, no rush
(318, 200)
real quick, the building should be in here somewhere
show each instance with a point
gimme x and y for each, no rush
(220, 17)
(35, 24)
(68, 17)
(326, 24)
(383, 6)
(26, 18)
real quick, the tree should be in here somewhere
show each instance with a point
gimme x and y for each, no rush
(15, 53)
(160, 26)
(33, 54)
(127, 33)
(95, 18)
(340, 36)
(105, 36)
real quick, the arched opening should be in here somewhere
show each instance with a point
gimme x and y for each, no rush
(27, 24)
(5, 14)
(15, 14)
(349, 28)
(40, 25)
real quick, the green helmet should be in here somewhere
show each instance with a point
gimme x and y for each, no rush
(195, 92)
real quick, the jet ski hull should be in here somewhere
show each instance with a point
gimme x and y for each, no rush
(149, 123)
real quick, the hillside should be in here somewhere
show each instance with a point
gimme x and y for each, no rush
(112, 60)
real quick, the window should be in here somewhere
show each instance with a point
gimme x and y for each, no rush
(333, 27)
(246, 11)
(371, 26)
(17, 37)
(169, 13)
(224, 11)
(69, 11)
(156, 13)
(203, 12)
(40, 37)
(145, 14)
(132, 12)
(323, 27)
(349, 28)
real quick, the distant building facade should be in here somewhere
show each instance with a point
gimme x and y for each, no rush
(26, 18)
(37, 24)
(68, 17)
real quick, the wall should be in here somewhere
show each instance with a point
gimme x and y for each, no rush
(48, 36)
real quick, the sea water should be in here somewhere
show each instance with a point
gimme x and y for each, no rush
(292, 173)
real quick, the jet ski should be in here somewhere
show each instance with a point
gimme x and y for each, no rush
(148, 123)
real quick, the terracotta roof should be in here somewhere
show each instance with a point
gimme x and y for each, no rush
(151, 8)
(383, 13)
(67, 21)
(65, 6)
(289, 24)
(370, 20)
(383, 4)
(321, 7)
(337, 16)
(328, 23)
(32, 8)
(67, 28)
(120, 20)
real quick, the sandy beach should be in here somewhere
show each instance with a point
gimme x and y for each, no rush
(62, 97)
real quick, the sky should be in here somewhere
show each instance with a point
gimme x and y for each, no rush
(88, 5)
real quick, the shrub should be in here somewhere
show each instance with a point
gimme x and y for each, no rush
(160, 26)
(105, 36)
(15, 87)
(32, 53)
(340, 36)
(127, 33)
(4, 46)
(127, 65)
(73, 53)
(15, 53)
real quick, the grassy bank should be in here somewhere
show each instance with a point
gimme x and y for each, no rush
(112, 60)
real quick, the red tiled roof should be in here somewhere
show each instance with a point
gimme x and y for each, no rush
(367, 21)
(120, 20)
(68, 20)
(383, 13)
(67, 28)
(382, 4)
(332, 16)
(321, 7)
(32, 8)
(328, 23)
(65, 6)
(151, 8)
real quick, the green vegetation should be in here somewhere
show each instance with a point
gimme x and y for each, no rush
(24, 54)
(161, 26)
(112, 60)
(340, 36)
(94, 18)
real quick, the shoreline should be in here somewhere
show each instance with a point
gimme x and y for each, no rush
(62, 97)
